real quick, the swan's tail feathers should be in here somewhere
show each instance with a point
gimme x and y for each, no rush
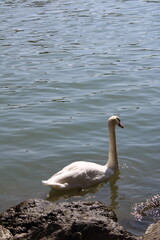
(54, 185)
(45, 182)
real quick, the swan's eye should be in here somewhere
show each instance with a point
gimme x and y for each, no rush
(118, 120)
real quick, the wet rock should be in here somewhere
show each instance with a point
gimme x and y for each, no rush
(40, 219)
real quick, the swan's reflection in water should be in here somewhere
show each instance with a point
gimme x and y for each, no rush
(114, 190)
(55, 195)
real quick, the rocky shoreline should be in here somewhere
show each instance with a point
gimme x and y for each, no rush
(38, 219)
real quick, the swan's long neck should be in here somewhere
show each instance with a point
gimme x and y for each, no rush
(112, 157)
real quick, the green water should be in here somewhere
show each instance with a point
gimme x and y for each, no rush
(65, 68)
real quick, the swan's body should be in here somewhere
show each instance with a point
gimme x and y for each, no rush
(85, 174)
(79, 175)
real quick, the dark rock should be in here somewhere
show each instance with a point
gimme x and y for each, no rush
(40, 219)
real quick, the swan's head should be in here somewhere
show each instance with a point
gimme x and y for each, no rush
(115, 120)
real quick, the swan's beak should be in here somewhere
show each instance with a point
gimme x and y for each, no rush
(120, 125)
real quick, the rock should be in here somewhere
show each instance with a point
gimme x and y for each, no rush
(43, 220)
(152, 232)
(5, 234)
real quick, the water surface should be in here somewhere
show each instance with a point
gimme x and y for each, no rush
(66, 67)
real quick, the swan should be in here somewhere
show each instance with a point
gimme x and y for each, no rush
(82, 174)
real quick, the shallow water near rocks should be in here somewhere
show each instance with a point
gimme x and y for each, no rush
(66, 67)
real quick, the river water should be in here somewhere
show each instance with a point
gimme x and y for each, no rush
(66, 67)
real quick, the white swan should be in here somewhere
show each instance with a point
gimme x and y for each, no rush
(85, 174)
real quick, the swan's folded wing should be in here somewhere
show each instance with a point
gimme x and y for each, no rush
(79, 174)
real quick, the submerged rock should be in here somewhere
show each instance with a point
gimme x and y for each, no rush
(40, 219)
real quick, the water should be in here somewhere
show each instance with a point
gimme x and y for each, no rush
(66, 66)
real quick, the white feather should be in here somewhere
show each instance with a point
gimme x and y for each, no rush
(85, 174)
